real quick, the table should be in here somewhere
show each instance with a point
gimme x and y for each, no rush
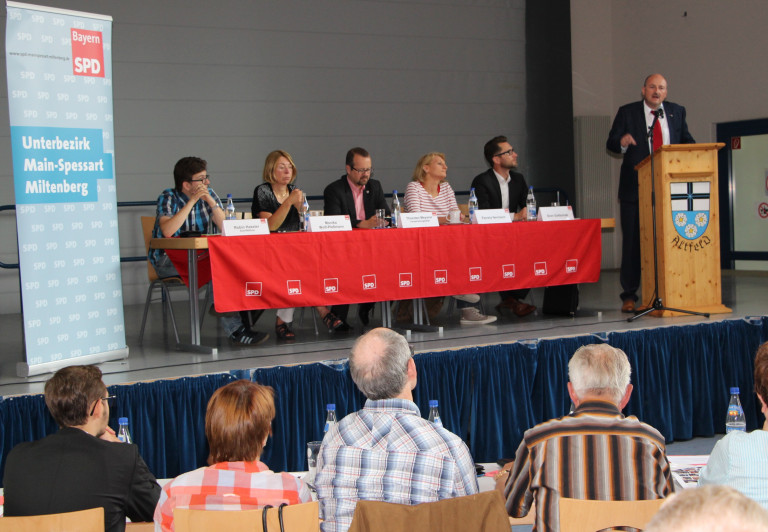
(308, 269)
(192, 245)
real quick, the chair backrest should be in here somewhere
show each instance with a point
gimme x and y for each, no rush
(140, 527)
(587, 516)
(472, 513)
(147, 225)
(83, 521)
(296, 517)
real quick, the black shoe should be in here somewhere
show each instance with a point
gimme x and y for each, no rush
(245, 336)
(344, 327)
(364, 315)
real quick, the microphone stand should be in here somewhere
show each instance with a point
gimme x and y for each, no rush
(656, 302)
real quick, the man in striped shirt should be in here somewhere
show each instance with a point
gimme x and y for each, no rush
(593, 453)
(387, 451)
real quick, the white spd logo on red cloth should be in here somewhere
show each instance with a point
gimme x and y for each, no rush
(331, 286)
(441, 276)
(475, 274)
(294, 288)
(507, 271)
(539, 268)
(406, 280)
(369, 282)
(253, 289)
(571, 266)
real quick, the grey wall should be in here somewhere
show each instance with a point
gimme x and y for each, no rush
(232, 80)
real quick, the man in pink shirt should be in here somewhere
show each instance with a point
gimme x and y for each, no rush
(357, 195)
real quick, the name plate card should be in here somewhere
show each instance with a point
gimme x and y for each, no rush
(491, 216)
(325, 224)
(254, 226)
(409, 220)
(555, 214)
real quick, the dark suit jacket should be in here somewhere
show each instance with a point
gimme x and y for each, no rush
(631, 119)
(337, 199)
(488, 191)
(72, 470)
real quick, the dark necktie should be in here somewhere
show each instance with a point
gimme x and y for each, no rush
(657, 138)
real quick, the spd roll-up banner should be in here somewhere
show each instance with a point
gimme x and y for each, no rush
(59, 69)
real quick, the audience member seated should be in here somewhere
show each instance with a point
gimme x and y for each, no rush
(357, 195)
(593, 453)
(387, 451)
(740, 460)
(709, 509)
(430, 192)
(279, 201)
(192, 205)
(237, 424)
(83, 465)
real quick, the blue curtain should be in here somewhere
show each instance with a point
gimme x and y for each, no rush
(301, 394)
(489, 395)
(167, 420)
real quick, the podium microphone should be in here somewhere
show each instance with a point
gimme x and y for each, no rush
(660, 112)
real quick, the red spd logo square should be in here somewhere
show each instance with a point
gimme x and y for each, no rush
(253, 289)
(507, 271)
(369, 282)
(294, 288)
(572, 266)
(406, 280)
(475, 274)
(331, 286)
(87, 53)
(441, 276)
(539, 268)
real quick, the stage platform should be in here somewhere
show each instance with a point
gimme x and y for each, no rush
(745, 293)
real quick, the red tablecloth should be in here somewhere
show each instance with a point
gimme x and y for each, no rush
(180, 260)
(307, 269)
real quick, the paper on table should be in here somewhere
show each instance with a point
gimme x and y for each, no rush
(685, 469)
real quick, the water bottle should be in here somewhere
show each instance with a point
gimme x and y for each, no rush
(122, 432)
(230, 210)
(395, 210)
(735, 421)
(472, 205)
(305, 214)
(434, 414)
(330, 418)
(530, 204)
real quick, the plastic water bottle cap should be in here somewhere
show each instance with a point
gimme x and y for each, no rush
(394, 192)
(229, 195)
(734, 390)
(433, 403)
(330, 406)
(122, 421)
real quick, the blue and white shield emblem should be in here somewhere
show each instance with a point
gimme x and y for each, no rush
(690, 208)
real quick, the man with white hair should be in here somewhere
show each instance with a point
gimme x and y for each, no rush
(593, 453)
(387, 451)
(709, 509)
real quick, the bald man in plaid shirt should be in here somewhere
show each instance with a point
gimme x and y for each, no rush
(387, 451)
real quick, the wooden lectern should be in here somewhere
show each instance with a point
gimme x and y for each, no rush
(687, 228)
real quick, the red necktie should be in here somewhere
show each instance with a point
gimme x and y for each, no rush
(657, 139)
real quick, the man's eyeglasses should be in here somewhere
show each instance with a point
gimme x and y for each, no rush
(107, 398)
(204, 178)
(362, 170)
(508, 152)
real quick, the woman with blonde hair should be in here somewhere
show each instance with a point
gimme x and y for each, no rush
(430, 192)
(278, 200)
(237, 424)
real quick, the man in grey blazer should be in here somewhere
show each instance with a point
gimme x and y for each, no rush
(83, 465)
(629, 137)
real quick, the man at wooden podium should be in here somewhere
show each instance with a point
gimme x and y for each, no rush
(629, 137)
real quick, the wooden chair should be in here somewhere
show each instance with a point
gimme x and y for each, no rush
(296, 517)
(482, 512)
(147, 224)
(587, 516)
(83, 521)
(140, 527)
